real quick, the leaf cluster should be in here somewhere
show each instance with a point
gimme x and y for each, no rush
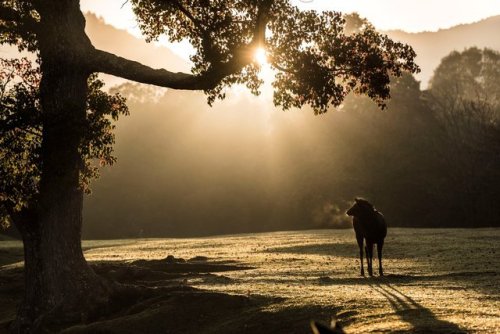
(21, 133)
(18, 21)
(323, 57)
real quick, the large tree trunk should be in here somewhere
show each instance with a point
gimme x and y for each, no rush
(59, 283)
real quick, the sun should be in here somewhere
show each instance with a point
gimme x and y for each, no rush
(260, 56)
(266, 73)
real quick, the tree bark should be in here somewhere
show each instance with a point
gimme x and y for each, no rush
(60, 285)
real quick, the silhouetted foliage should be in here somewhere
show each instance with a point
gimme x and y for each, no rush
(464, 99)
(318, 57)
(21, 134)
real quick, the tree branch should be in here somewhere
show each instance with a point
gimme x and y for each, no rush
(105, 62)
(188, 14)
(259, 34)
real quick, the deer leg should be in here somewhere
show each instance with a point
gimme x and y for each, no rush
(367, 253)
(379, 253)
(369, 257)
(359, 239)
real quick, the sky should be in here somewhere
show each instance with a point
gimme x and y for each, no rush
(407, 15)
(411, 15)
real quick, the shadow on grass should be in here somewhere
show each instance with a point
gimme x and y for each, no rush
(209, 312)
(169, 271)
(167, 305)
(11, 255)
(346, 249)
(482, 281)
(339, 249)
(188, 310)
(422, 319)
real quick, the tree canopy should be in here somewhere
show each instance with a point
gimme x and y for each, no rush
(464, 99)
(318, 57)
(472, 74)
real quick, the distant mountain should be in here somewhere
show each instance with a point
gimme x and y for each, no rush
(120, 42)
(431, 47)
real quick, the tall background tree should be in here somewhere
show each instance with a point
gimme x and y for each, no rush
(464, 101)
(317, 63)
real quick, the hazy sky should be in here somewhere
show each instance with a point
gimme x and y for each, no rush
(408, 15)
(411, 15)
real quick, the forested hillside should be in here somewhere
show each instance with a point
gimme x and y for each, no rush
(431, 47)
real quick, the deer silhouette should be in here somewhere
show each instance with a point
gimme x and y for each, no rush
(370, 227)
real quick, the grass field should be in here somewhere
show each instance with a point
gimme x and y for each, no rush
(437, 280)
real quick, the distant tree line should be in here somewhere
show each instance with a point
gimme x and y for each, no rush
(431, 159)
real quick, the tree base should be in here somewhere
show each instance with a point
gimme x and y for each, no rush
(86, 302)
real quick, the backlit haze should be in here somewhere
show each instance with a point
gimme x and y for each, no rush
(187, 169)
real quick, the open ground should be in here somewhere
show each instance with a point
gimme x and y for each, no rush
(437, 280)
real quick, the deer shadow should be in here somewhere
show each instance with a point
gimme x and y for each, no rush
(422, 319)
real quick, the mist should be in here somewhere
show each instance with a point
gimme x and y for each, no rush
(243, 166)
(187, 169)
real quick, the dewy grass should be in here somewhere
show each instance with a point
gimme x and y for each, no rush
(436, 279)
